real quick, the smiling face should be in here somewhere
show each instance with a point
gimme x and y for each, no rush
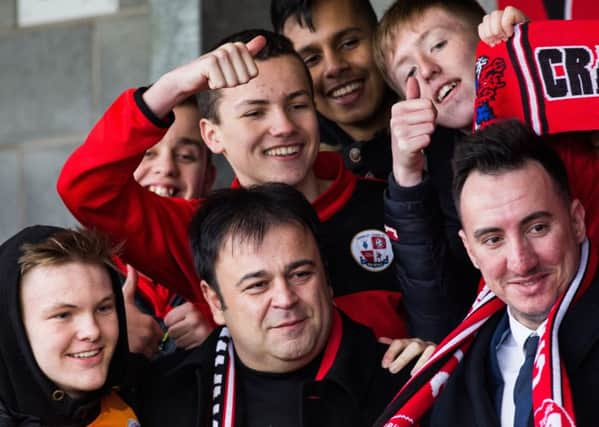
(523, 236)
(71, 322)
(268, 130)
(277, 300)
(178, 165)
(438, 49)
(348, 88)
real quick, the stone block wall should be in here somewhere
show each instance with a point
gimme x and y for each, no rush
(56, 81)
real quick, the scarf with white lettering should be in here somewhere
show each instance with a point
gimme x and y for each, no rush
(223, 389)
(545, 76)
(552, 399)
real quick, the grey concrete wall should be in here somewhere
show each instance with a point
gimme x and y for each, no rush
(176, 33)
(55, 81)
(241, 15)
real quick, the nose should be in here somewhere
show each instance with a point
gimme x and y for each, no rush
(522, 258)
(428, 68)
(335, 64)
(165, 165)
(88, 328)
(283, 295)
(281, 123)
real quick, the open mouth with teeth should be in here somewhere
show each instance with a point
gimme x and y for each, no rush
(162, 190)
(85, 354)
(346, 89)
(289, 150)
(445, 90)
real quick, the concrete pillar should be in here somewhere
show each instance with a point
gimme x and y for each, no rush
(176, 32)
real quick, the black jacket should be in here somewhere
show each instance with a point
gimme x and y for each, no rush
(353, 394)
(431, 265)
(371, 158)
(466, 399)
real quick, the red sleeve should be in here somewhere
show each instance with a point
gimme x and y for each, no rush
(97, 185)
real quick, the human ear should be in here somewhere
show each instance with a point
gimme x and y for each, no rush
(462, 235)
(577, 214)
(211, 135)
(214, 302)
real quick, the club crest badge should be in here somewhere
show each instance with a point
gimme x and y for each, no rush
(372, 250)
(489, 80)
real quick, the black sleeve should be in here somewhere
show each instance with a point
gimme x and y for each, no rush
(425, 268)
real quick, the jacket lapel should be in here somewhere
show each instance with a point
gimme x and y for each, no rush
(477, 375)
(579, 331)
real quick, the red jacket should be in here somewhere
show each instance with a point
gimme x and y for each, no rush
(97, 185)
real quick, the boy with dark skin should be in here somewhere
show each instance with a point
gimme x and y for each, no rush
(333, 37)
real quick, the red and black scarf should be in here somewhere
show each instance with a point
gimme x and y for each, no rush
(552, 397)
(223, 389)
(545, 75)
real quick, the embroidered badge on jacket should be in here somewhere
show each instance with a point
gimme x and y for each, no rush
(372, 250)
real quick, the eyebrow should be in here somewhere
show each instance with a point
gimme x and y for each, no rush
(532, 217)
(336, 36)
(420, 39)
(288, 97)
(253, 275)
(63, 305)
(536, 215)
(189, 141)
(299, 263)
(288, 268)
(422, 36)
(481, 232)
(107, 298)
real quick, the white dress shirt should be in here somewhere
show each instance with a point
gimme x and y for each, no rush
(510, 357)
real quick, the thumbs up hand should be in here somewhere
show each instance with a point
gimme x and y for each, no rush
(143, 331)
(412, 124)
(229, 65)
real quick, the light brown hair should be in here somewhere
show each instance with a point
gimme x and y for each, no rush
(403, 12)
(80, 245)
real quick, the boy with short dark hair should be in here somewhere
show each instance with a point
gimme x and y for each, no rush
(333, 37)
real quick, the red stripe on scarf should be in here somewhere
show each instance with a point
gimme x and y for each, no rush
(410, 405)
(546, 403)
